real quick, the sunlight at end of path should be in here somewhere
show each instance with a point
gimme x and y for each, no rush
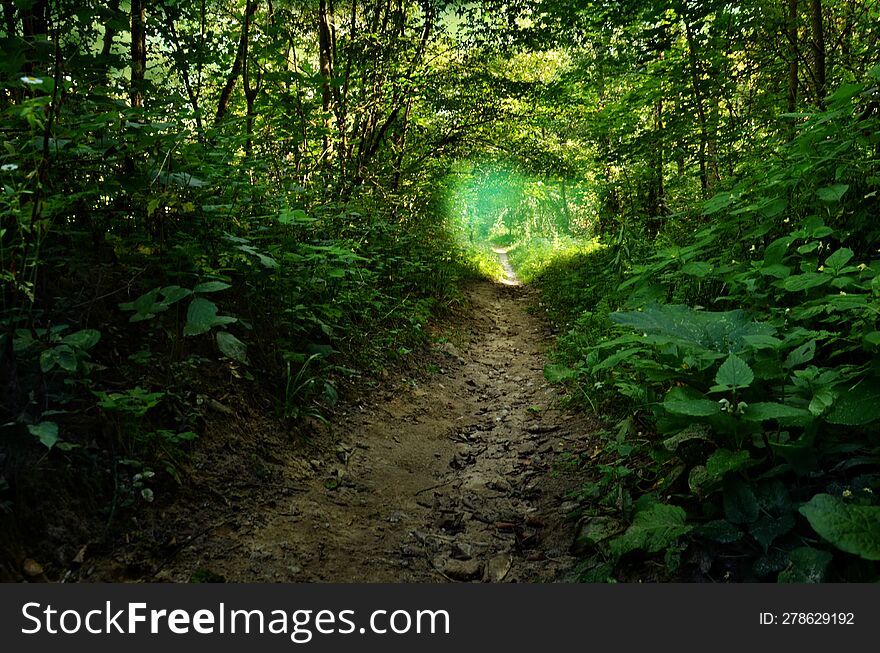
(509, 278)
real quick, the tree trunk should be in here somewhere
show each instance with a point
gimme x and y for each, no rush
(138, 51)
(818, 47)
(238, 65)
(792, 29)
(325, 61)
(698, 100)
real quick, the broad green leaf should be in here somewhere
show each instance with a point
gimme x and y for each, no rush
(652, 530)
(763, 342)
(47, 432)
(559, 373)
(693, 407)
(172, 294)
(697, 269)
(734, 373)
(801, 355)
(769, 527)
(722, 332)
(232, 346)
(202, 316)
(84, 339)
(832, 193)
(720, 530)
(48, 360)
(805, 281)
(689, 434)
(851, 528)
(800, 454)
(211, 286)
(839, 258)
(717, 203)
(761, 411)
(615, 358)
(740, 504)
(723, 461)
(857, 406)
(806, 565)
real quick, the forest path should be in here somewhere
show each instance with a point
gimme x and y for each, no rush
(510, 278)
(453, 477)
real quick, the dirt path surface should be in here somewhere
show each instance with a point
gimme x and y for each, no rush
(454, 478)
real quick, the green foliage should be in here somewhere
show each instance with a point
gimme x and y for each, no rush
(759, 408)
(851, 528)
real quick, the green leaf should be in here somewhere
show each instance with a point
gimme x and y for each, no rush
(172, 294)
(763, 342)
(693, 407)
(806, 565)
(721, 531)
(652, 530)
(800, 454)
(692, 432)
(211, 286)
(48, 360)
(839, 258)
(801, 355)
(717, 203)
(761, 411)
(294, 216)
(832, 193)
(857, 406)
(805, 281)
(740, 504)
(47, 432)
(734, 373)
(851, 528)
(62, 356)
(559, 373)
(232, 346)
(770, 527)
(722, 331)
(723, 461)
(697, 269)
(202, 316)
(84, 339)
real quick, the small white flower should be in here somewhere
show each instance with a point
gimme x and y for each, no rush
(27, 79)
(9, 167)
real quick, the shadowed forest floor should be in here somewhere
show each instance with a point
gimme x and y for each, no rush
(452, 477)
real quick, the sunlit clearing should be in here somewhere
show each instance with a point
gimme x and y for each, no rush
(503, 218)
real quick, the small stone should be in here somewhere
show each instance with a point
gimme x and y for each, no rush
(32, 568)
(498, 567)
(463, 570)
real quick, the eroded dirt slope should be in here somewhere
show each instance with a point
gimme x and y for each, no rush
(454, 477)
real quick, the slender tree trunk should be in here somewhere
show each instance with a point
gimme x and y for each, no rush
(698, 101)
(792, 29)
(238, 64)
(818, 47)
(325, 61)
(138, 51)
(182, 61)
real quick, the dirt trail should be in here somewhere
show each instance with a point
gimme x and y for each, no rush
(450, 478)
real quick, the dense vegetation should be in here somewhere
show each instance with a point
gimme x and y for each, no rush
(236, 198)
